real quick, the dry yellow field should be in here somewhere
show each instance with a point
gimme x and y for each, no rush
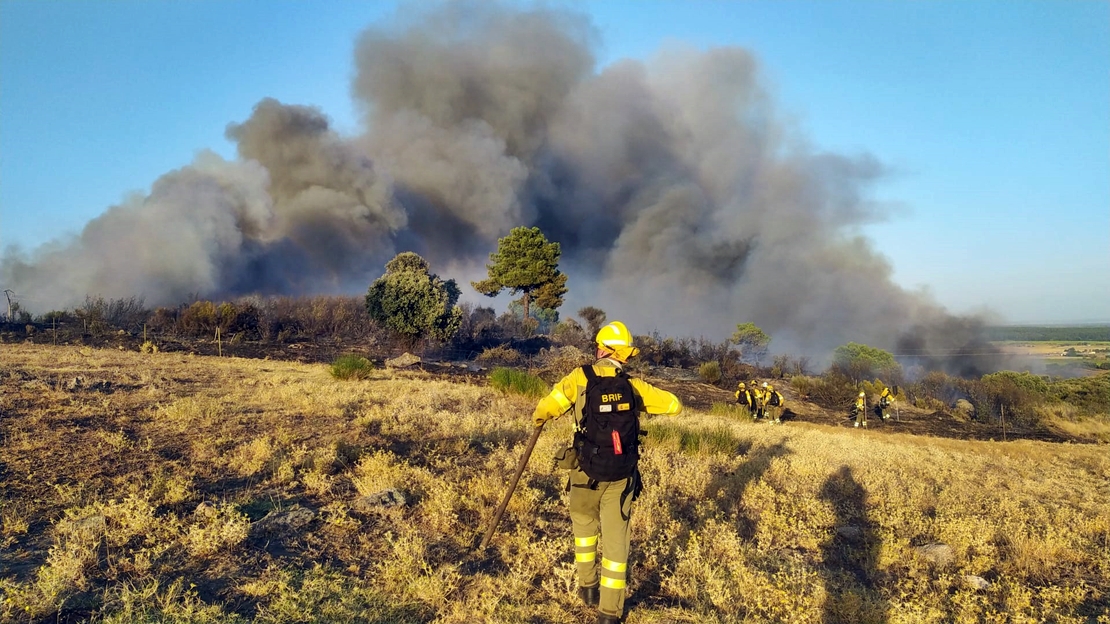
(171, 488)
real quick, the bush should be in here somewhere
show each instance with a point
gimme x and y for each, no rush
(164, 320)
(710, 372)
(351, 367)
(831, 391)
(199, 319)
(413, 303)
(512, 381)
(554, 363)
(692, 441)
(569, 332)
(500, 354)
(1091, 394)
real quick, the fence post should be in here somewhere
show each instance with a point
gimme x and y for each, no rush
(1003, 410)
(219, 344)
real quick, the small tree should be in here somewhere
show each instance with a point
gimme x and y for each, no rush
(526, 263)
(413, 303)
(752, 342)
(859, 361)
(594, 317)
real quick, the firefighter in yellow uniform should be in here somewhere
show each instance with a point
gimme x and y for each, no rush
(773, 404)
(886, 399)
(860, 409)
(757, 400)
(744, 397)
(601, 510)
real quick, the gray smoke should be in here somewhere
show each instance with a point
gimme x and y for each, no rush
(682, 200)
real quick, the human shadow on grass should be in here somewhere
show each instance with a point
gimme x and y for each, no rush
(850, 571)
(727, 488)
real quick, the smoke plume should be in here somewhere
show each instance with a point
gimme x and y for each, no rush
(681, 199)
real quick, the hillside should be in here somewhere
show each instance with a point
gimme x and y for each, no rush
(176, 488)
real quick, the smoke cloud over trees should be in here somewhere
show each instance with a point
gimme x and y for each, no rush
(681, 199)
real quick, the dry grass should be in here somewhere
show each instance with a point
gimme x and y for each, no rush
(141, 501)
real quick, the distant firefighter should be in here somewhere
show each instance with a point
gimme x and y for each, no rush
(859, 410)
(757, 399)
(886, 399)
(744, 397)
(772, 404)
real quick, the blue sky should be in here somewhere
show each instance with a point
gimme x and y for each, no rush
(994, 117)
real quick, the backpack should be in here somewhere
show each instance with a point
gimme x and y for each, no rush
(608, 436)
(775, 399)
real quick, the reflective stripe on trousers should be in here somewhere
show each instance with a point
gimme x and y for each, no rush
(612, 574)
(585, 548)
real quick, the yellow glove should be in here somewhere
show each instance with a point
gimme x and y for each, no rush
(540, 416)
(546, 409)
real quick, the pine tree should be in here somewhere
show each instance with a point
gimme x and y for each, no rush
(526, 263)
(752, 340)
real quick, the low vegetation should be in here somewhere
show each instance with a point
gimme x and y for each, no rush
(1092, 333)
(173, 488)
(352, 367)
(513, 381)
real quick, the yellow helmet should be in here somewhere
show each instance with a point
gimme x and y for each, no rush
(770, 388)
(861, 393)
(740, 385)
(616, 339)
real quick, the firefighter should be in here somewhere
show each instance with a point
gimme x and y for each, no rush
(773, 403)
(757, 399)
(744, 397)
(859, 411)
(601, 508)
(886, 399)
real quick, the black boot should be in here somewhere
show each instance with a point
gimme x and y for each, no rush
(589, 595)
(604, 618)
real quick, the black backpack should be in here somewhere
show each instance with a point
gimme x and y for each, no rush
(608, 439)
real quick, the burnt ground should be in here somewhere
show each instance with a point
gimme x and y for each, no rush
(684, 383)
(906, 419)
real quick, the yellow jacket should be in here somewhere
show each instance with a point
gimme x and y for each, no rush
(770, 395)
(886, 398)
(571, 391)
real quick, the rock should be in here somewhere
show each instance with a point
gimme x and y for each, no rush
(977, 582)
(937, 554)
(75, 384)
(379, 501)
(401, 361)
(474, 368)
(284, 521)
(850, 532)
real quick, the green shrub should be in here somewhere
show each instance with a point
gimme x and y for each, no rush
(513, 381)
(690, 441)
(730, 410)
(710, 372)
(1091, 394)
(351, 367)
